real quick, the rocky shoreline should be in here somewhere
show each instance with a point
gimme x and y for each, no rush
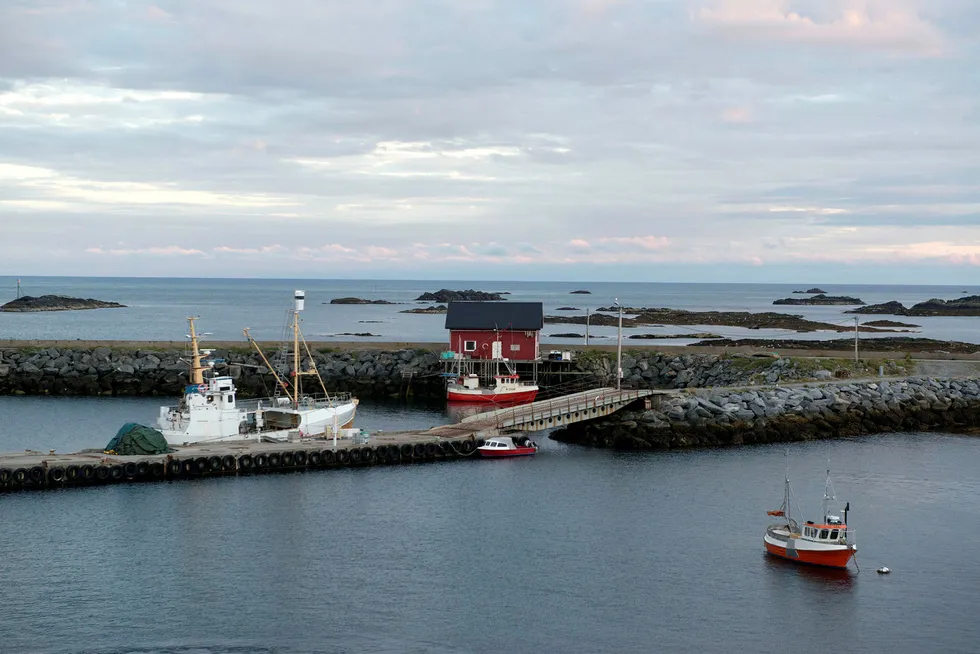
(724, 417)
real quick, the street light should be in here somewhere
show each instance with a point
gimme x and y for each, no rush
(619, 347)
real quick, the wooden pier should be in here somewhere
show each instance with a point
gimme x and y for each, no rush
(36, 470)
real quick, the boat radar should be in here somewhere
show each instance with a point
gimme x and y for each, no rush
(299, 300)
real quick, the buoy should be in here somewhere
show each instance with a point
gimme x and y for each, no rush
(883, 570)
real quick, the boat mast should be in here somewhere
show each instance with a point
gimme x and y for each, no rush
(299, 298)
(827, 492)
(197, 370)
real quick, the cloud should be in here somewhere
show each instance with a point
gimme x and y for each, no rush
(884, 24)
(166, 251)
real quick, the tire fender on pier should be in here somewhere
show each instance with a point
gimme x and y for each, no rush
(116, 473)
(288, 459)
(406, 451)
(174, 468)
(102, 473)
(143, 469)
(299, 458)
(19, 476)
(368, 455)
(314, 459)
(343, 457)
(419, 450)
(214, 464)
(129, 469)
(157, 470)
(261, 461)
(327, 457)
(245, 463)
(87, 472)
(275, 460)
(6, 474)
(36, 475)
(228, 462)
(56, 475)
(72, 473)
(355, 456)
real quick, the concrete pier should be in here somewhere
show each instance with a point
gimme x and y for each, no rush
(34, 470)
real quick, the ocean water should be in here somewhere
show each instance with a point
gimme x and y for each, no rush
(573, 550)
(157, 308)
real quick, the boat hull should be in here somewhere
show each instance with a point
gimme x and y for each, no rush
(502, 454)
(828, 558)
(518, 397)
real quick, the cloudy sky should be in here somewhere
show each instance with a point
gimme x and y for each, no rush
(647, 140)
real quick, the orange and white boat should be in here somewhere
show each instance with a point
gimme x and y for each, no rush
(828, 543)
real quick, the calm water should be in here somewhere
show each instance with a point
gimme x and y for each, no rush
(570, 551)
(157, 308)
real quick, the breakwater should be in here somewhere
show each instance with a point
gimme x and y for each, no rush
(717, 417)
(121, 371)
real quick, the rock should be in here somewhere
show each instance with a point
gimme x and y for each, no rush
(28, 303)
(820, 300)
(581, 292)
(357, 300)
(427, 310)
(445, 295)
(822, 374)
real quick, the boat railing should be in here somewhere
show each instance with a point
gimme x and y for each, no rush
(305, 402)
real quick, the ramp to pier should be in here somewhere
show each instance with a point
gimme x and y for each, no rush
(545, 414)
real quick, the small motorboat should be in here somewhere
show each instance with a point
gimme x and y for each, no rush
(829, 543)
(504, 446)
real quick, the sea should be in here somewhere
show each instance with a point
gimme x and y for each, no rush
(572, 550)
(156, 309)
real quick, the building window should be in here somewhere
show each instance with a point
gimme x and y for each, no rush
(469, 346)
(515, 347)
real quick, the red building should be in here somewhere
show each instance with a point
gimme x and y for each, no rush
(488, 330)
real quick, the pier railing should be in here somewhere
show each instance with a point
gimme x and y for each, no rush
(569, 409)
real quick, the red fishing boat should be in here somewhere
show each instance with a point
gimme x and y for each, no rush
(826, 543)
(507, 390)
(504, 446)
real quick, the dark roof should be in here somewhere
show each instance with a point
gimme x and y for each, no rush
(518, 316)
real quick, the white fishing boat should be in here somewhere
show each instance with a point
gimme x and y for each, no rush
(211, 412)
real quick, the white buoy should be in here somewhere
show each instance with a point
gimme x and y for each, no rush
(883, 570)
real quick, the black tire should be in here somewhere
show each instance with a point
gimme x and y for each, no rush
(261, 461)
(174, 468)
(343, 457)
(36, 475)
(129, 469)
(314, 459)
(143, 469)
(19, 476)
(431, 449)
(381, 454)
(368, 456)
(87, 472)
(457, 446)
(355, 456)
(157, 470)
(228, 462)
(6, 474)
(245, 463)
(214, 464)
(394, 453)
(102, 473)
(56, 475)
(275, 460)
(73, 473)
(288, 459)
(445, 448)
(419, 450)
(300, 458)
(327, 457)
(116, 473)
(406, 451)
(468, 447)
(200, 465)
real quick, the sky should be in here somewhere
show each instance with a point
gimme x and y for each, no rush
(624, 140)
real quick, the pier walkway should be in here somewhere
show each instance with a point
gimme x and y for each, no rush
(37, 470)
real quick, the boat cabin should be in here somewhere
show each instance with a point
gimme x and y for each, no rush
(832, 532)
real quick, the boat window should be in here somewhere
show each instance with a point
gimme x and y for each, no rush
(833, 534)
(469, 346)
(823, 533)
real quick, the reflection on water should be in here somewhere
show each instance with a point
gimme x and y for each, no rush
(828, 578)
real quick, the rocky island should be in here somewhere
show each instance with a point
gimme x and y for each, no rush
(964, 306)
(357, 300)
(581, 292)
(652, 316)
(812, 291)
(819, 300)
(29, 304)
(445, 295)
(427, 310)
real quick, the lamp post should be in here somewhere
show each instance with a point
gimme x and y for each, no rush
(619, 348)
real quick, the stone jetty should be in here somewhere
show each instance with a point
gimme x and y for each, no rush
(736, 416)
(368, 373)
